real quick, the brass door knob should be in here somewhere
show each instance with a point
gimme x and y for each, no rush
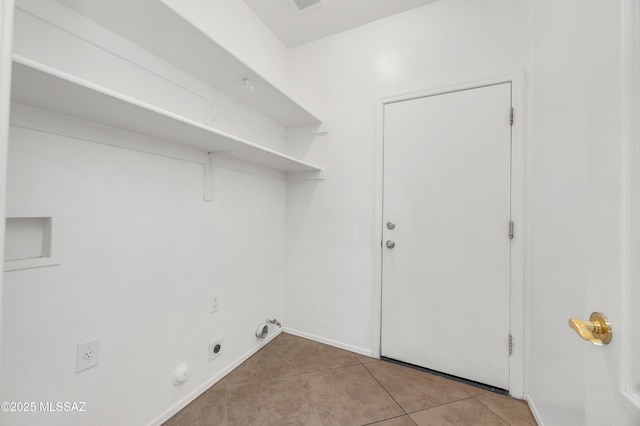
(597, 330)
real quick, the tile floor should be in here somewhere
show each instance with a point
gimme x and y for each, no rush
(295, 381)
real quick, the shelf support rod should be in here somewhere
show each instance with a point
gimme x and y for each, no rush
(246, 85)
(208, 178)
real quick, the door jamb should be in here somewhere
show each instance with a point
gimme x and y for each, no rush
(631, 128)
(519, 308)
(6, 43)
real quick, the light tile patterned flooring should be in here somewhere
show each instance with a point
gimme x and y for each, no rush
(295, 381)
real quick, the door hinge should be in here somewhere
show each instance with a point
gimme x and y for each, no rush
(511, 230)
(511, 117)
(510, 344)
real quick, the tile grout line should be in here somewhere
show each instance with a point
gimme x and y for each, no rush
(496, 414)
(441, 405)
(249, 382)
(385, 389)
(463, 399)
(390, 418)
(435, 406)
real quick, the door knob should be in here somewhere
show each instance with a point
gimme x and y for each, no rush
(391, 244)
(597, 330)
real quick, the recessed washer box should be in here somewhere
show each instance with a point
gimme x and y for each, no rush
(33, 238)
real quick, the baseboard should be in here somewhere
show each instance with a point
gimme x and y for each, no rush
(534, 410)
(215, 379)
(330, 342)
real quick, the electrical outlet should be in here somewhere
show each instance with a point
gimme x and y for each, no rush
(216, 349)
(214, 303)
(88, 355)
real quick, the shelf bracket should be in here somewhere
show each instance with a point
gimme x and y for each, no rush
(208, 178)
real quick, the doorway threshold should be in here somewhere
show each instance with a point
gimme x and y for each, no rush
(448, 376)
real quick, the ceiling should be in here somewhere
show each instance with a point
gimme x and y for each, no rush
(293, 27)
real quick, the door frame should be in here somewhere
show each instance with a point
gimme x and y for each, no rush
(519, 310)
(6, 43)
(630, 297)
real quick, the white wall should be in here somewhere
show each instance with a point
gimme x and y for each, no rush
(142, 251)
(330, 227)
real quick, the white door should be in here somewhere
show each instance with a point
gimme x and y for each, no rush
(445, 283)
(612, 278)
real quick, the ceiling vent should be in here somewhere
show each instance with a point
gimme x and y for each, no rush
(307, 5)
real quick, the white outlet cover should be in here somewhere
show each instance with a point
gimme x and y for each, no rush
(212, 349)
(88, 355)
(214, 303)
